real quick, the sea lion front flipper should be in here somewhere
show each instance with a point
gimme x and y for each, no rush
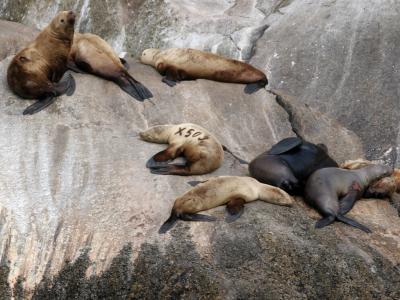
(73, 67)
(353, 223)
(285, 145)
(325, 221)
(169, 82)
(39, 105)
(66, 85)
(347, 202)
(235, 209)
(195, 182)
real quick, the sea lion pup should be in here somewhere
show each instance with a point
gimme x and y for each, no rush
(334, 191)
(36, 72)
(289, 163)
(203, 152)
(92, 54)
(177, 64)
(234, 191)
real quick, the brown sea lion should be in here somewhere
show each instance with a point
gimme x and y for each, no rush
(178, 64)
(334, 191)
(289, 163)
(91, 54)
(203, 152)
(234, 191)
(36, 72)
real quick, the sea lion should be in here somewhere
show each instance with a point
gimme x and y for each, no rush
(234, 191)
(289, 163)
(203, 152)
(334, 191)
(383, 188)
(91, 54)
(177, 64)
(36, 72)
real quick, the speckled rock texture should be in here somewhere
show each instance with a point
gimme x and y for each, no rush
(79, 212)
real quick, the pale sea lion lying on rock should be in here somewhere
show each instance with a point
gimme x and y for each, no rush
(334, 191)
(289, 163)
(234, 191)
(92, 54)
(202, 151)
(36, 72)
(178, 64)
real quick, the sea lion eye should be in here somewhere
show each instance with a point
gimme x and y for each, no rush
(62, 20)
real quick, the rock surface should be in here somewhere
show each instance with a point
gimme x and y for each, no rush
(79, 212)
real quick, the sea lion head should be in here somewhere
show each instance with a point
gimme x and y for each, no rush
(62, 25)
(148, 56)
(378, 171)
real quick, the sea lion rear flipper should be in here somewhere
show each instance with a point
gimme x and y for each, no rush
(250, 88)
(353, 223)
(168, 224)
(133, 87)
(197, 217)
(124, 63)
(169, 82)
(285, 145)
(39, 105)
(195, 182)
(325, 221)
(151, 163)
(143, 91)
(241, 161)
(235, 209)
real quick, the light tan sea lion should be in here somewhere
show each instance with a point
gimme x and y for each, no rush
(234, 191)
(36, 72)
(92, 54)
(203, 152)
(178, 64)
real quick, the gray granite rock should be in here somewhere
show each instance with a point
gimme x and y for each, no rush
(79, 212)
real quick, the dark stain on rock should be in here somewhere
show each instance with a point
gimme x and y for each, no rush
(5, 290)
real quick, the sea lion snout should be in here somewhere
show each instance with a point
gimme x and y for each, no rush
(71, 17)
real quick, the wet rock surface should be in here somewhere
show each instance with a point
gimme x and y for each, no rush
(79, 212)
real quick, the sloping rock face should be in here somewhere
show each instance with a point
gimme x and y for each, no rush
(79, 212)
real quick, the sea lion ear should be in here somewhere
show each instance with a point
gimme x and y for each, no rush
(23, 59)
(323, 147)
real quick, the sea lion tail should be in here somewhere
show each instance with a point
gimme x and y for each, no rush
(242, 161)
(353, 223)
(251, 88)
(169, 223)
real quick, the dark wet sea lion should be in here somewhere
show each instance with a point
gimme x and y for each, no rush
(234, 191)
(36, 72)
(289, 163)
(334, 191)
(178, 64)
(91, 54)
